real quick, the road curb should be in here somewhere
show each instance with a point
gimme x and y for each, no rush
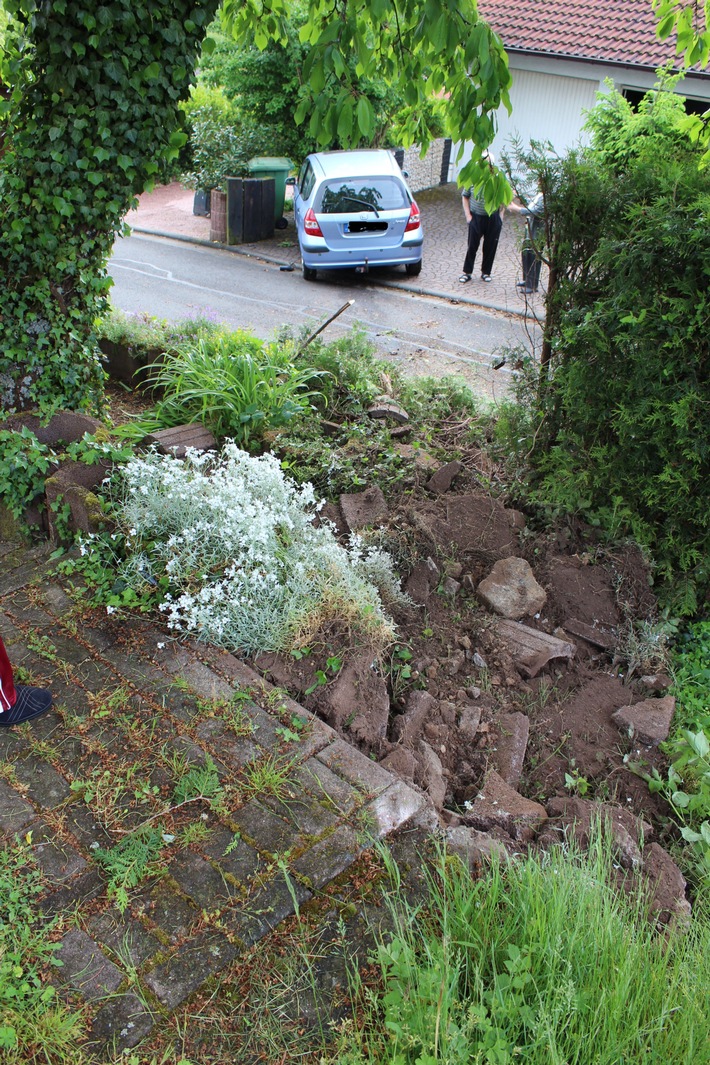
(403, 286)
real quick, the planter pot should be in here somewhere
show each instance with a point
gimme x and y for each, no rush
(123, 363)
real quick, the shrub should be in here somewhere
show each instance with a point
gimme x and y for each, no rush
(231, 546)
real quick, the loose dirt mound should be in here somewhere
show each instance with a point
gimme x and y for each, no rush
(467, 692)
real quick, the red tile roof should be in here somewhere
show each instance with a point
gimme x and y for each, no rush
(607, 31)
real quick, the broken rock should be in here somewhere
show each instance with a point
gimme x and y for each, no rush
(510, 589)
(532, 649)
(648, 721)
(408, 726)
(497, 805)
(443, 478)
(361, 509)
(511, 745)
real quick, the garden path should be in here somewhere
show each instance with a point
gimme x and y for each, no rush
(138, 716)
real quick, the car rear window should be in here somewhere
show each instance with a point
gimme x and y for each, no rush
(349, 196)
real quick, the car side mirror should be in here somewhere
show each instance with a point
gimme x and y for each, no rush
(291, 181)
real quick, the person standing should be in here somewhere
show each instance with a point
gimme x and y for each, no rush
(18, 702)
(531, 261)
(481, 226)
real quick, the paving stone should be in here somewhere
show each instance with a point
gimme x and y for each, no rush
(183, 747)
(347, 762)
(397, 805)
(12, 744)
(315, 777)
(58, 860)
(57, 600)
(317, 736)
(85, 968)
(265, 727)
(203, 681)
(15, 812)
(49, 725)
(123, 1022)
(83, 823)
(308, 815)
(44, 784)
(327, 859)
(181, 705)
(242, 862)
(230, 750)
(167, 910)
(74, 893)
(204, 884)
(176, 979)
(126, 937)
(271, 834)
(274, 903)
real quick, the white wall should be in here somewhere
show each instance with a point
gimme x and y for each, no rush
(549, 97)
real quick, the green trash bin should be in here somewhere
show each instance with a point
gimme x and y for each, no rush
(278, 168)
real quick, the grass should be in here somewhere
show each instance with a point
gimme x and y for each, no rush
(34, 1025)
(540, 960)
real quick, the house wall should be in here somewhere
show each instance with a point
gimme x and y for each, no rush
(550, 97)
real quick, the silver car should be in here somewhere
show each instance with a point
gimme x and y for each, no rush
(354, 210)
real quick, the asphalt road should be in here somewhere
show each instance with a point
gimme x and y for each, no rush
(420, 334)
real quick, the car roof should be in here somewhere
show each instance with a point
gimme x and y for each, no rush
(360, 162)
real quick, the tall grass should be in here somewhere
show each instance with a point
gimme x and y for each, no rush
(234, 384)
(539, 961)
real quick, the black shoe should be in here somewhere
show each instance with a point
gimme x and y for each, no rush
(30, 703)
(526, 291)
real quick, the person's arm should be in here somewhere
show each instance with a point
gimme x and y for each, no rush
(466, 201)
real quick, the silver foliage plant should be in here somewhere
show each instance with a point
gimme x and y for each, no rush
(247, 566)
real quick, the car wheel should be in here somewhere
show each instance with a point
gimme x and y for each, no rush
(413, 269)
(309, 273)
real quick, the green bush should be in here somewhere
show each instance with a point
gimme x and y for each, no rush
(622, 419)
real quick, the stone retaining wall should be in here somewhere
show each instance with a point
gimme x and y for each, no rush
(430, 171)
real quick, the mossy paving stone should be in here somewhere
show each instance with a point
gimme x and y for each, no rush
(200, 881)
(16, 813)
(77, 892)
(122, 1023)
(233, 855)
(203, 955)
(164, 907)
(126, 937)
(329, 858)
(85, 968)
(271, 834)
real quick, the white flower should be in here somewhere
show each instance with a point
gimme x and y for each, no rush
(110, 609)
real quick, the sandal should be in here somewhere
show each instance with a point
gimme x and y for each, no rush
(464, 278)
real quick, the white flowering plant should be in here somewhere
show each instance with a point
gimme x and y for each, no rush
(228, 548)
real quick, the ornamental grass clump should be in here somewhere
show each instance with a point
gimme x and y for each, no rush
(234, 544)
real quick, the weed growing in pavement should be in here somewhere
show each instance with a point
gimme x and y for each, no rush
(231, 711)
(34, 1025)
(200, 782)
(270, 776)
(130, 862)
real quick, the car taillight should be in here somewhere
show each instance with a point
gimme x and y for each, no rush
(310, 224)
(414, 219)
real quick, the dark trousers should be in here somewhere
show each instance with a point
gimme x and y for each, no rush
(531, 269)
(484, 227)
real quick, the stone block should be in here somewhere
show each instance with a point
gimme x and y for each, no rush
(648, 721)
(510, 589)
(16, 813)
(510, 746)
(122, 1023)
(124, 936)
(499, 806)
(58, 860)
(270, 834)
(46, 786)
(329, 858)
(393, 808)
(200, 881)
(177, 440)
(177, 978)
(347, 762)
(443, 478)
(532, 649)
(85, 968)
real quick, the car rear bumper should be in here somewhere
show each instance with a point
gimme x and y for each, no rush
(316, 254)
